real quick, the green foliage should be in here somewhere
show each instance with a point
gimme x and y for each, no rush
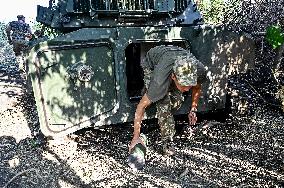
(2, 31)
(217, 11)
(212, 11)
(49, 32)
(274, 36)
(6, 50)
(3, 36)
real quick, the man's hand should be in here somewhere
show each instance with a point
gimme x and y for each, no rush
(192, 117)
(134, 142)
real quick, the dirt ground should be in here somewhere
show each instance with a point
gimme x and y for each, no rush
(247, 153)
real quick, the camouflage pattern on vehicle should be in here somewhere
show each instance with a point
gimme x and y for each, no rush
(91, 76)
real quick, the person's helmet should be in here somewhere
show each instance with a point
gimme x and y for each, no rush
(20, 17)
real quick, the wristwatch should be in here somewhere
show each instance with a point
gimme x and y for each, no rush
(193, 109)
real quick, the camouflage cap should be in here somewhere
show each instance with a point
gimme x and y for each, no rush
(185, 70)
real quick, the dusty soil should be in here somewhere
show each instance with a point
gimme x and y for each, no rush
(245, 153)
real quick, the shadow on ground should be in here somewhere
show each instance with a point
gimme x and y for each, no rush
(244, 154)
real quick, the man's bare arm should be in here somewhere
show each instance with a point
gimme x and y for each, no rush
(140, 110)
(196, 92)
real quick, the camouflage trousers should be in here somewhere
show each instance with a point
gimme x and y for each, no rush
(165, 108)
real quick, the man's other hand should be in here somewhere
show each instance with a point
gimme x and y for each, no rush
(192, 118)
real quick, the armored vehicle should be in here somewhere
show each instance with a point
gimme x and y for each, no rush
(91, 75)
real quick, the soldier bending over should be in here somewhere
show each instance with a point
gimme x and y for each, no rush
(168, 72)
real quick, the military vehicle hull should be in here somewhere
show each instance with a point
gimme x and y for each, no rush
(92, 77)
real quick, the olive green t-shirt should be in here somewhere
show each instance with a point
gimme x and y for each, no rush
(160, 61)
